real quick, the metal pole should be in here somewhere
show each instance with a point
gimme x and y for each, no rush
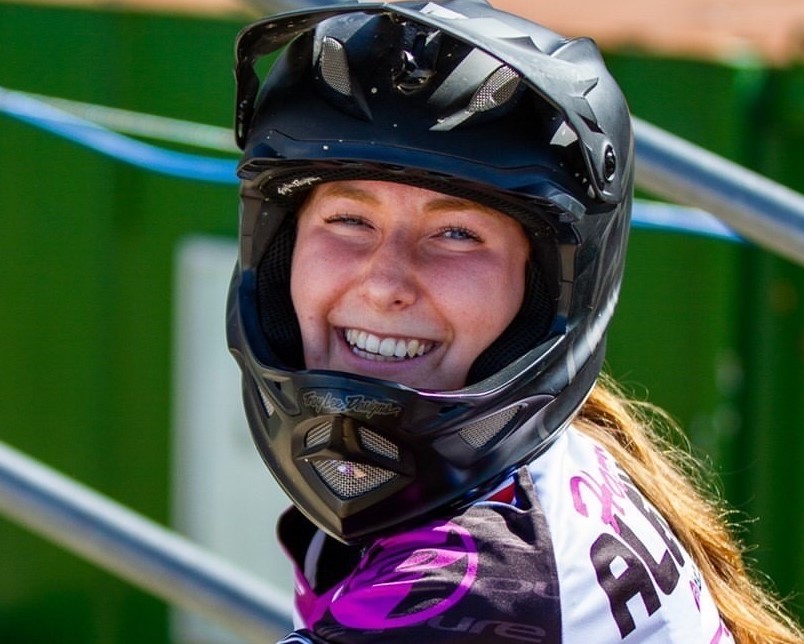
(759, 209)
(137, 549)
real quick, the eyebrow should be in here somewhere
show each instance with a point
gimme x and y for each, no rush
(346, 191)
(441, 203)
(456, 203)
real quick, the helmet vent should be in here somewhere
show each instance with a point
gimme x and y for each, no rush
(482, 432)
(348, 479)
(375, 443)
(369, 440)
(318, 435)
(334, 66)
(497, 89)
(269, 408)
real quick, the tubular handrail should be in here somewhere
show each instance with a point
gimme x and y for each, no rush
(759, 209)
(137, 549)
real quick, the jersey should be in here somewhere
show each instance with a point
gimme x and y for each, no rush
(567, 551)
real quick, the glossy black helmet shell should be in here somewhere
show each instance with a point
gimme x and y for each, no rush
(463, 99)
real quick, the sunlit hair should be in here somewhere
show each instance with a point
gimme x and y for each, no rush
(652, 450)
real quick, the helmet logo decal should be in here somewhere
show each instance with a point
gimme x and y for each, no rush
(330, 403)
(302, 182)
(387, 594)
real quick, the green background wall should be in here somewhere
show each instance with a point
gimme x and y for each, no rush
(711, 330)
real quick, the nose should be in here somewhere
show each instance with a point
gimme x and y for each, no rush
(389, 274)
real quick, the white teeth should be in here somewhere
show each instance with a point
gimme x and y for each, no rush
(374, 347)
(387, 347)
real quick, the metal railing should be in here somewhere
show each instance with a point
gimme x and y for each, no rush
(138, 550)
(765, 212)
(175, 569)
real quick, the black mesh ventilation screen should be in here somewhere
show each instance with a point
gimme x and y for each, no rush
(349, 479)
(334, 66)
(479, 434)
(277, 315)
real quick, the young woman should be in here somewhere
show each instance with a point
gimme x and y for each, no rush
(435, 205)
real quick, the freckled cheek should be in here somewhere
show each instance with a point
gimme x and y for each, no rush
(315, 284)
(487, 300)
(307, 294)
(306, 289)
(493, 285)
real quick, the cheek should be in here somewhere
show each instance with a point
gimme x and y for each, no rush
(486, 301)
(306, 288)
(307, 291)
(316, 280)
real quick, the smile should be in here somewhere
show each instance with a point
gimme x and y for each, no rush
(372, 347)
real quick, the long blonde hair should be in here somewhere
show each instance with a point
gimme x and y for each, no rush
(646, 444)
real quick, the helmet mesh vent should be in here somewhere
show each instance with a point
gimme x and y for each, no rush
(377, 444)
(277, 315)
(349, 480)
(269, 408)
(479, 434)
(497, 89)
(334, 66)
(318, 434)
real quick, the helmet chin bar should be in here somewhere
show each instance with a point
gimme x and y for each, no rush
(354, 463)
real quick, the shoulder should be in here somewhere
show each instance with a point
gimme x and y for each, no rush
(621, 569)
(483, 575)
(576, 552)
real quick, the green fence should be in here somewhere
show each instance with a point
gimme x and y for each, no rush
(713, 331)
(716, 332)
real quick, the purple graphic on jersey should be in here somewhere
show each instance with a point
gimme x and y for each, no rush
(722, 634)
(438, 560)
(607, 492)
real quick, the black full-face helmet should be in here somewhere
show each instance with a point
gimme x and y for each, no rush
(466, 100)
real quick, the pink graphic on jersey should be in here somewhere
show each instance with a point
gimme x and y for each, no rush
(439, 560)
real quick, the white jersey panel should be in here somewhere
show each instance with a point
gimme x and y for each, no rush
(623, 576)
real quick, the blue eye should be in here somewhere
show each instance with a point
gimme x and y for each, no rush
(351, 220)
(459, 233)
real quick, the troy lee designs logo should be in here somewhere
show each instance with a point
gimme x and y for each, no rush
(329, 403)
(302, 182)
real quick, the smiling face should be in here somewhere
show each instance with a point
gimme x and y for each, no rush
(402, 283)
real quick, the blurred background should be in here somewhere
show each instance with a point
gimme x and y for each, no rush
(115, 262)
